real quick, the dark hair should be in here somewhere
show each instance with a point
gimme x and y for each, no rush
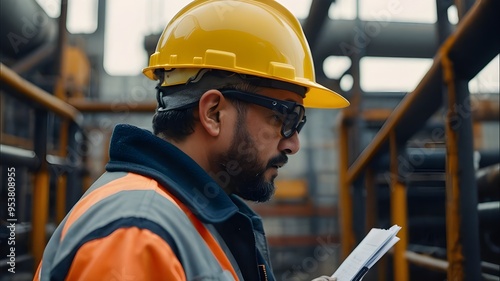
(177, 124)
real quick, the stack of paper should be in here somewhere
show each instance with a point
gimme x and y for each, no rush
(367, 253)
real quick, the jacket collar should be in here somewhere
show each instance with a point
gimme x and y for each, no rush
(139, 151)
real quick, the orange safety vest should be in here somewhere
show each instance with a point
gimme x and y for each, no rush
(112, 233)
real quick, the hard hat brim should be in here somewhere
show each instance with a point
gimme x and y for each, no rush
(317, 96)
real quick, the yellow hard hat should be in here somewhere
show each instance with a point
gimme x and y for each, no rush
(254, 37)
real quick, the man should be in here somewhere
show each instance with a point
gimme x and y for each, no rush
(234, 77)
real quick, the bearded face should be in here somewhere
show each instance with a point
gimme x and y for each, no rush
(247, 172)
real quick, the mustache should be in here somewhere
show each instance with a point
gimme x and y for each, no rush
(279, 160)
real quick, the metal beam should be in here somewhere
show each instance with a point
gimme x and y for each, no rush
(432, 159)
(399, 212)
(378, 39)
(14, 156)
(41, 188)
(416, 108)
(314, 23)
(476, 41)
(426, 261)
(25, 27)
(25, 89)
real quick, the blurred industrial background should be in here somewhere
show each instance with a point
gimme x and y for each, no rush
(418, 147)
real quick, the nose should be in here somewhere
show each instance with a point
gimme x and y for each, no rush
(290, 145)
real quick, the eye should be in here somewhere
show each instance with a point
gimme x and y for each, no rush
(277, 119)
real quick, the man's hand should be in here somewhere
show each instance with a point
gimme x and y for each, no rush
(325, 278)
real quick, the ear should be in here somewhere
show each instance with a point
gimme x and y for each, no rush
(210, 105)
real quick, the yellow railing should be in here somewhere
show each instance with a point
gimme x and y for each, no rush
(45, 103)
(471, 42)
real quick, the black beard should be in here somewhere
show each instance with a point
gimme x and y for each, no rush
(245, 172)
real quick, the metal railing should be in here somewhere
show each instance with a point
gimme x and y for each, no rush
(459, 59)
(38, 160)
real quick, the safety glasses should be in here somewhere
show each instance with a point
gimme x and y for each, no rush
(292, 114)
